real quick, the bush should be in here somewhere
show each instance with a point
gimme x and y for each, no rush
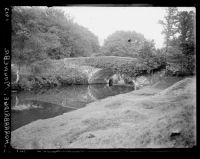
(41, 66)
(180, 63)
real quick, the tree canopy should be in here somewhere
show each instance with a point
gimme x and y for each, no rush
(40, 33)
(179, 31)
(123, 43)
(133, 44)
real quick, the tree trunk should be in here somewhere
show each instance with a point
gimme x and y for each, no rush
(17, 77)
(18, 70)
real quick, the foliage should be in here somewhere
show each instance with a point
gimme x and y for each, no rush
(169, 25)
(122, 43)
(41, 66)
(132, 44)
(40, 33)
(149, 57)
(180, 50)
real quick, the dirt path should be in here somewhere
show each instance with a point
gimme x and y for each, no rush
(154, 117)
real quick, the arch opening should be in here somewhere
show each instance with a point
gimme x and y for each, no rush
(101, 77)
(110, 82)
(110, 77)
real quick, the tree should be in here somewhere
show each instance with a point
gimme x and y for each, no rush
(85, 43)
(41, 33)
(150, 57)
(187, 39)
(169, 25)
(122, 43)
(132, 44)
(180, 41)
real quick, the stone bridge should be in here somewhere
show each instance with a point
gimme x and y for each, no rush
(100, 76)
(105, 76)
(97, 76)
(94, 75)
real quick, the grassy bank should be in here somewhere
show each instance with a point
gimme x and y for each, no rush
(160, 116)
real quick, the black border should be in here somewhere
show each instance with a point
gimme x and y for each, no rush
(6, 61)
(6, 39)
(144, 3)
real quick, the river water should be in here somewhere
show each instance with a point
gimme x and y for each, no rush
(27, 106)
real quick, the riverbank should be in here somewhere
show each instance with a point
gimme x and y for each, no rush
(158, 116)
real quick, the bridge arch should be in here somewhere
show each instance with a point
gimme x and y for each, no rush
(108, 76)
(101, 76)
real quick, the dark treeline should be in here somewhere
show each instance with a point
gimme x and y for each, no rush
(41, 33)
(179, 30)
(47, 33)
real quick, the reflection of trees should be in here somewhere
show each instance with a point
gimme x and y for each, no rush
(102, 91)
(72, 96)
(57, 101)
(75, 96)
(99, 91)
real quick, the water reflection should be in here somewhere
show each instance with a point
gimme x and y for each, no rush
(47, 103)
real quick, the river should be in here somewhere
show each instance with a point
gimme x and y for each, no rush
(27, 106)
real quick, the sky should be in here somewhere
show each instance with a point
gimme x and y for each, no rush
(103, 21)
